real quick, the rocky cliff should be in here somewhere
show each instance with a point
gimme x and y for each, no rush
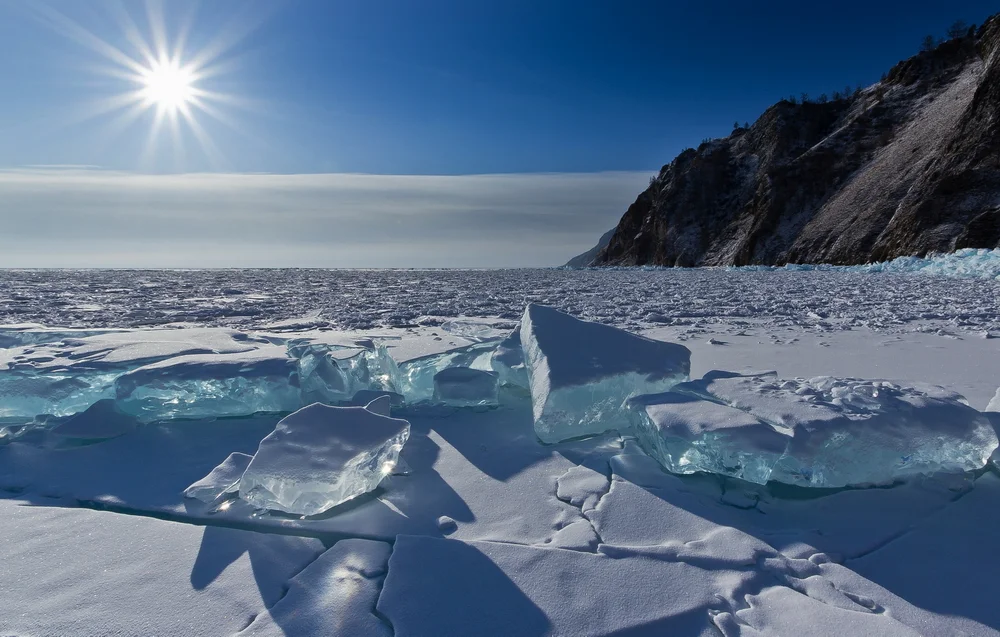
(907, 166)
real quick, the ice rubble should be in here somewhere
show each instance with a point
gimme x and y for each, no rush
(321, 456)
(819, 432)
(975, 263)
(581, 373)
(466, 387)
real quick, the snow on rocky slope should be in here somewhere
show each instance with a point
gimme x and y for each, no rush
(479, 527)
(904, 167)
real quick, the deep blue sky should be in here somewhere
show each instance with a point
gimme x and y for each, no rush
(377, 118)
(453, 87)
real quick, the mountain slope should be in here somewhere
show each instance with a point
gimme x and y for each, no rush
(585, 259)
(906, 166)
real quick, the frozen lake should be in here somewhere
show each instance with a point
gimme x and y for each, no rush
(481, 529)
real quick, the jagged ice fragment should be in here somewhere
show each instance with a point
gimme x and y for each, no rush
(321, 456)
(581, 373)
(221, 480)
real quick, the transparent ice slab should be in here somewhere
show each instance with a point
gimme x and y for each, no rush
(223, 479)
(466, 387)
(211, 385)
(417, 375)
(581, 373)
(837, 432)
(508, 361)
(321, 456)
(58, 392)
(334, 373)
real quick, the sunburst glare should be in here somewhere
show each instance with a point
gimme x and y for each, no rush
(168, 85)
(165, 76)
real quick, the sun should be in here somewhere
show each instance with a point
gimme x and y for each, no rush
(155, 72)
(168, 86)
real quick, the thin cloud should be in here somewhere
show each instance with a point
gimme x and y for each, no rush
(94, 218)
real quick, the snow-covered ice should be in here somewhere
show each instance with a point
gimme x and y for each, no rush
(819, 432)
(322, 456)
(123, 527)
(581, 373)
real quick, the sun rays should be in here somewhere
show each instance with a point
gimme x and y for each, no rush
(159, 76)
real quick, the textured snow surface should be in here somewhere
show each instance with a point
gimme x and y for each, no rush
(358, 299)
(116, 526)
(818, 432)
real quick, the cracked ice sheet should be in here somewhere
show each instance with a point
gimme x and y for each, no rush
(647, 507)
(945, 563)
(334, 595)
(80, 572)
(486, 471)
(447, 587)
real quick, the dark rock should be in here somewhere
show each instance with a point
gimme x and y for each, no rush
(908, 166)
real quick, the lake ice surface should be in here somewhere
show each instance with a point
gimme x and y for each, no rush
(479, 522)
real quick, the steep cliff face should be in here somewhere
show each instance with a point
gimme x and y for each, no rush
(906, 166)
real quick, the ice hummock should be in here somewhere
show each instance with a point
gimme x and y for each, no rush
(508, 361)
(818, 432)
(466, 387)
(995, 402)
(223, 479)
(581, 373)
(321, 456)
(66, 375)
(417, 375)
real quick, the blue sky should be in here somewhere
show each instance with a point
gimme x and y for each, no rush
(437, 88)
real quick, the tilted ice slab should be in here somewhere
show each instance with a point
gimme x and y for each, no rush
(820, 432)
(581, 373)
(466, 387)
(320, 456)
(417, 375)
(994, 403)
(508, 361)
